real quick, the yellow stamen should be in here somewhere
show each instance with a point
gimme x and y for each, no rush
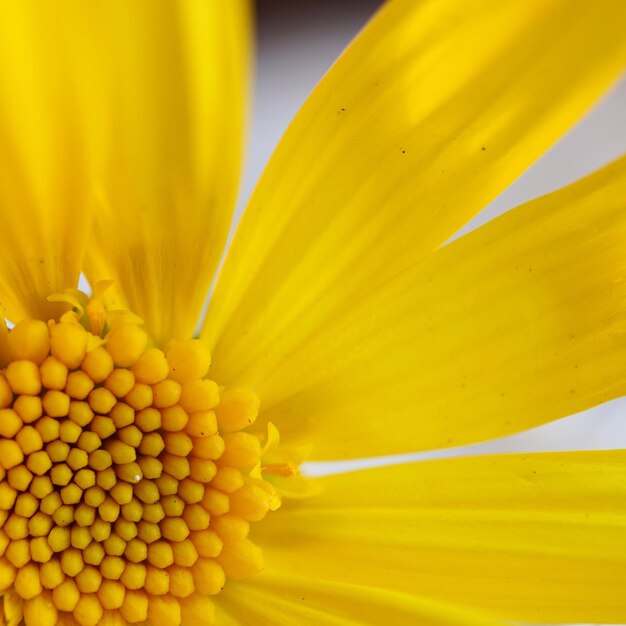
(72, 561)
(29, 408)
(26, 505)
(120, 382)
(207, 542)
(188, 360)
(80, 412)
(18, 552)
(51, 574)
(197, 517)
(122, 492)
(88, 610)
(10, 423)
(208, 576)
(114, 545)
(93, 553)
(216, 502)
(153, 512)
(95, 495)
(53, 374)
(41, 485)
(133, 510)
(78, 385)
(199, 395)
(68, 343)
(238, 409)
(111, 594)
(112, 567)
(23, 377)
(27, 583)
(80, 537)
(191, 491)
(129, 472)
(139, 397)
(146, 532)
(126, 344)
(201, 424)
(134, 576)
(29, 440)
(150, 467)
(77, 459)
(19, 477)
(167, 485)
(136, 550)
(185, 553)
(98, 365)
(286, 470)
(39, 525)
(174, 465)
(10, 454)
(130, 435)
(164, 610)
(228, 479)
(56, 403)
(103, 426)
(16, 527)
(40, 610)
(174, 418)
(61, 474)
(29, 340)
(166, 393)
(125, 529)
(40, 550)
(181, 581)
(48, 428)
(101, 400)
(242, 450)
(89, 580)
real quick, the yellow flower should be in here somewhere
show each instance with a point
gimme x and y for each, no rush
(144, 470)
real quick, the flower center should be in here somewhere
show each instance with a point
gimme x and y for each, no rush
(128, 479)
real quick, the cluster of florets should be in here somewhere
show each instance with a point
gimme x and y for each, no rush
(127, 478)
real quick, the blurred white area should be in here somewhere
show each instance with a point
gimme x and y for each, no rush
(297, 43)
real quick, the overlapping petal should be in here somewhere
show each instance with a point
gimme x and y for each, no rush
(538, 537)
(518, 323)
(436, 107)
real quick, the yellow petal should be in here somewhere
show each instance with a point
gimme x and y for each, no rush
(167, 87)
(43, 195)
(538, 537)
(521, 322)
(281, 598)
(431, 113)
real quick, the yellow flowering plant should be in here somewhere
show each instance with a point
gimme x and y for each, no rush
(150, 475)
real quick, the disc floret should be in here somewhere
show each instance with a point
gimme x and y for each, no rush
(128, 478)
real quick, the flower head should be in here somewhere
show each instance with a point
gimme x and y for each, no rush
(150, 476)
